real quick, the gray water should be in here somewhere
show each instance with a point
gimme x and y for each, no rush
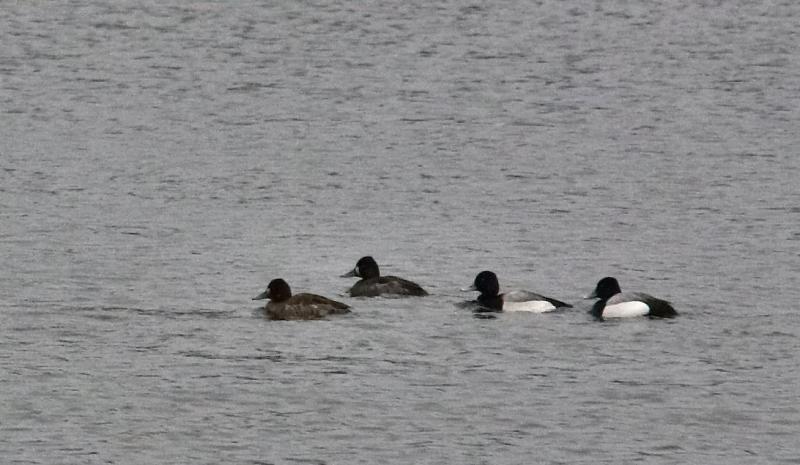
(162, 161)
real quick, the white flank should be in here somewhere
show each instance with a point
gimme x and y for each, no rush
(626, 309)
(535, 306)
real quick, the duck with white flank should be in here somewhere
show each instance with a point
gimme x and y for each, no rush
(491, 300)
(614, 303)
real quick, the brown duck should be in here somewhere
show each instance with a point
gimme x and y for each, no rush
(283, 305)
(372, 284)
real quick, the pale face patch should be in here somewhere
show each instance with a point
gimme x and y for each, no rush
(626, 310)
(534, 306)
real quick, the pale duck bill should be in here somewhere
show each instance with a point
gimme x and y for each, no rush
(350, 274)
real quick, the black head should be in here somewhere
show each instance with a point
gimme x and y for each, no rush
(366, 268)
(486, 283)
(277, 291)
(606, 288)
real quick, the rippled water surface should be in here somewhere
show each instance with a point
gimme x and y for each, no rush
(160, 162)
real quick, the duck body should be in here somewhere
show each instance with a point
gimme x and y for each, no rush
(389, 285)
(282, 305)
(613, 303)
(491, 300)
(531, 302)
(372, 284)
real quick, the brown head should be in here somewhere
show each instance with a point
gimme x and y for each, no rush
(278, 290)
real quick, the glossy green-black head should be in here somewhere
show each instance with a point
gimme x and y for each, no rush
(486, 283)
(605, 289)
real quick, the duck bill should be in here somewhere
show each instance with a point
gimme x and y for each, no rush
(593, 295)
(263, 295)
(350, 274)
(468, 289)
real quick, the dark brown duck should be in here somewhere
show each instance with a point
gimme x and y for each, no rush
(283, 305)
